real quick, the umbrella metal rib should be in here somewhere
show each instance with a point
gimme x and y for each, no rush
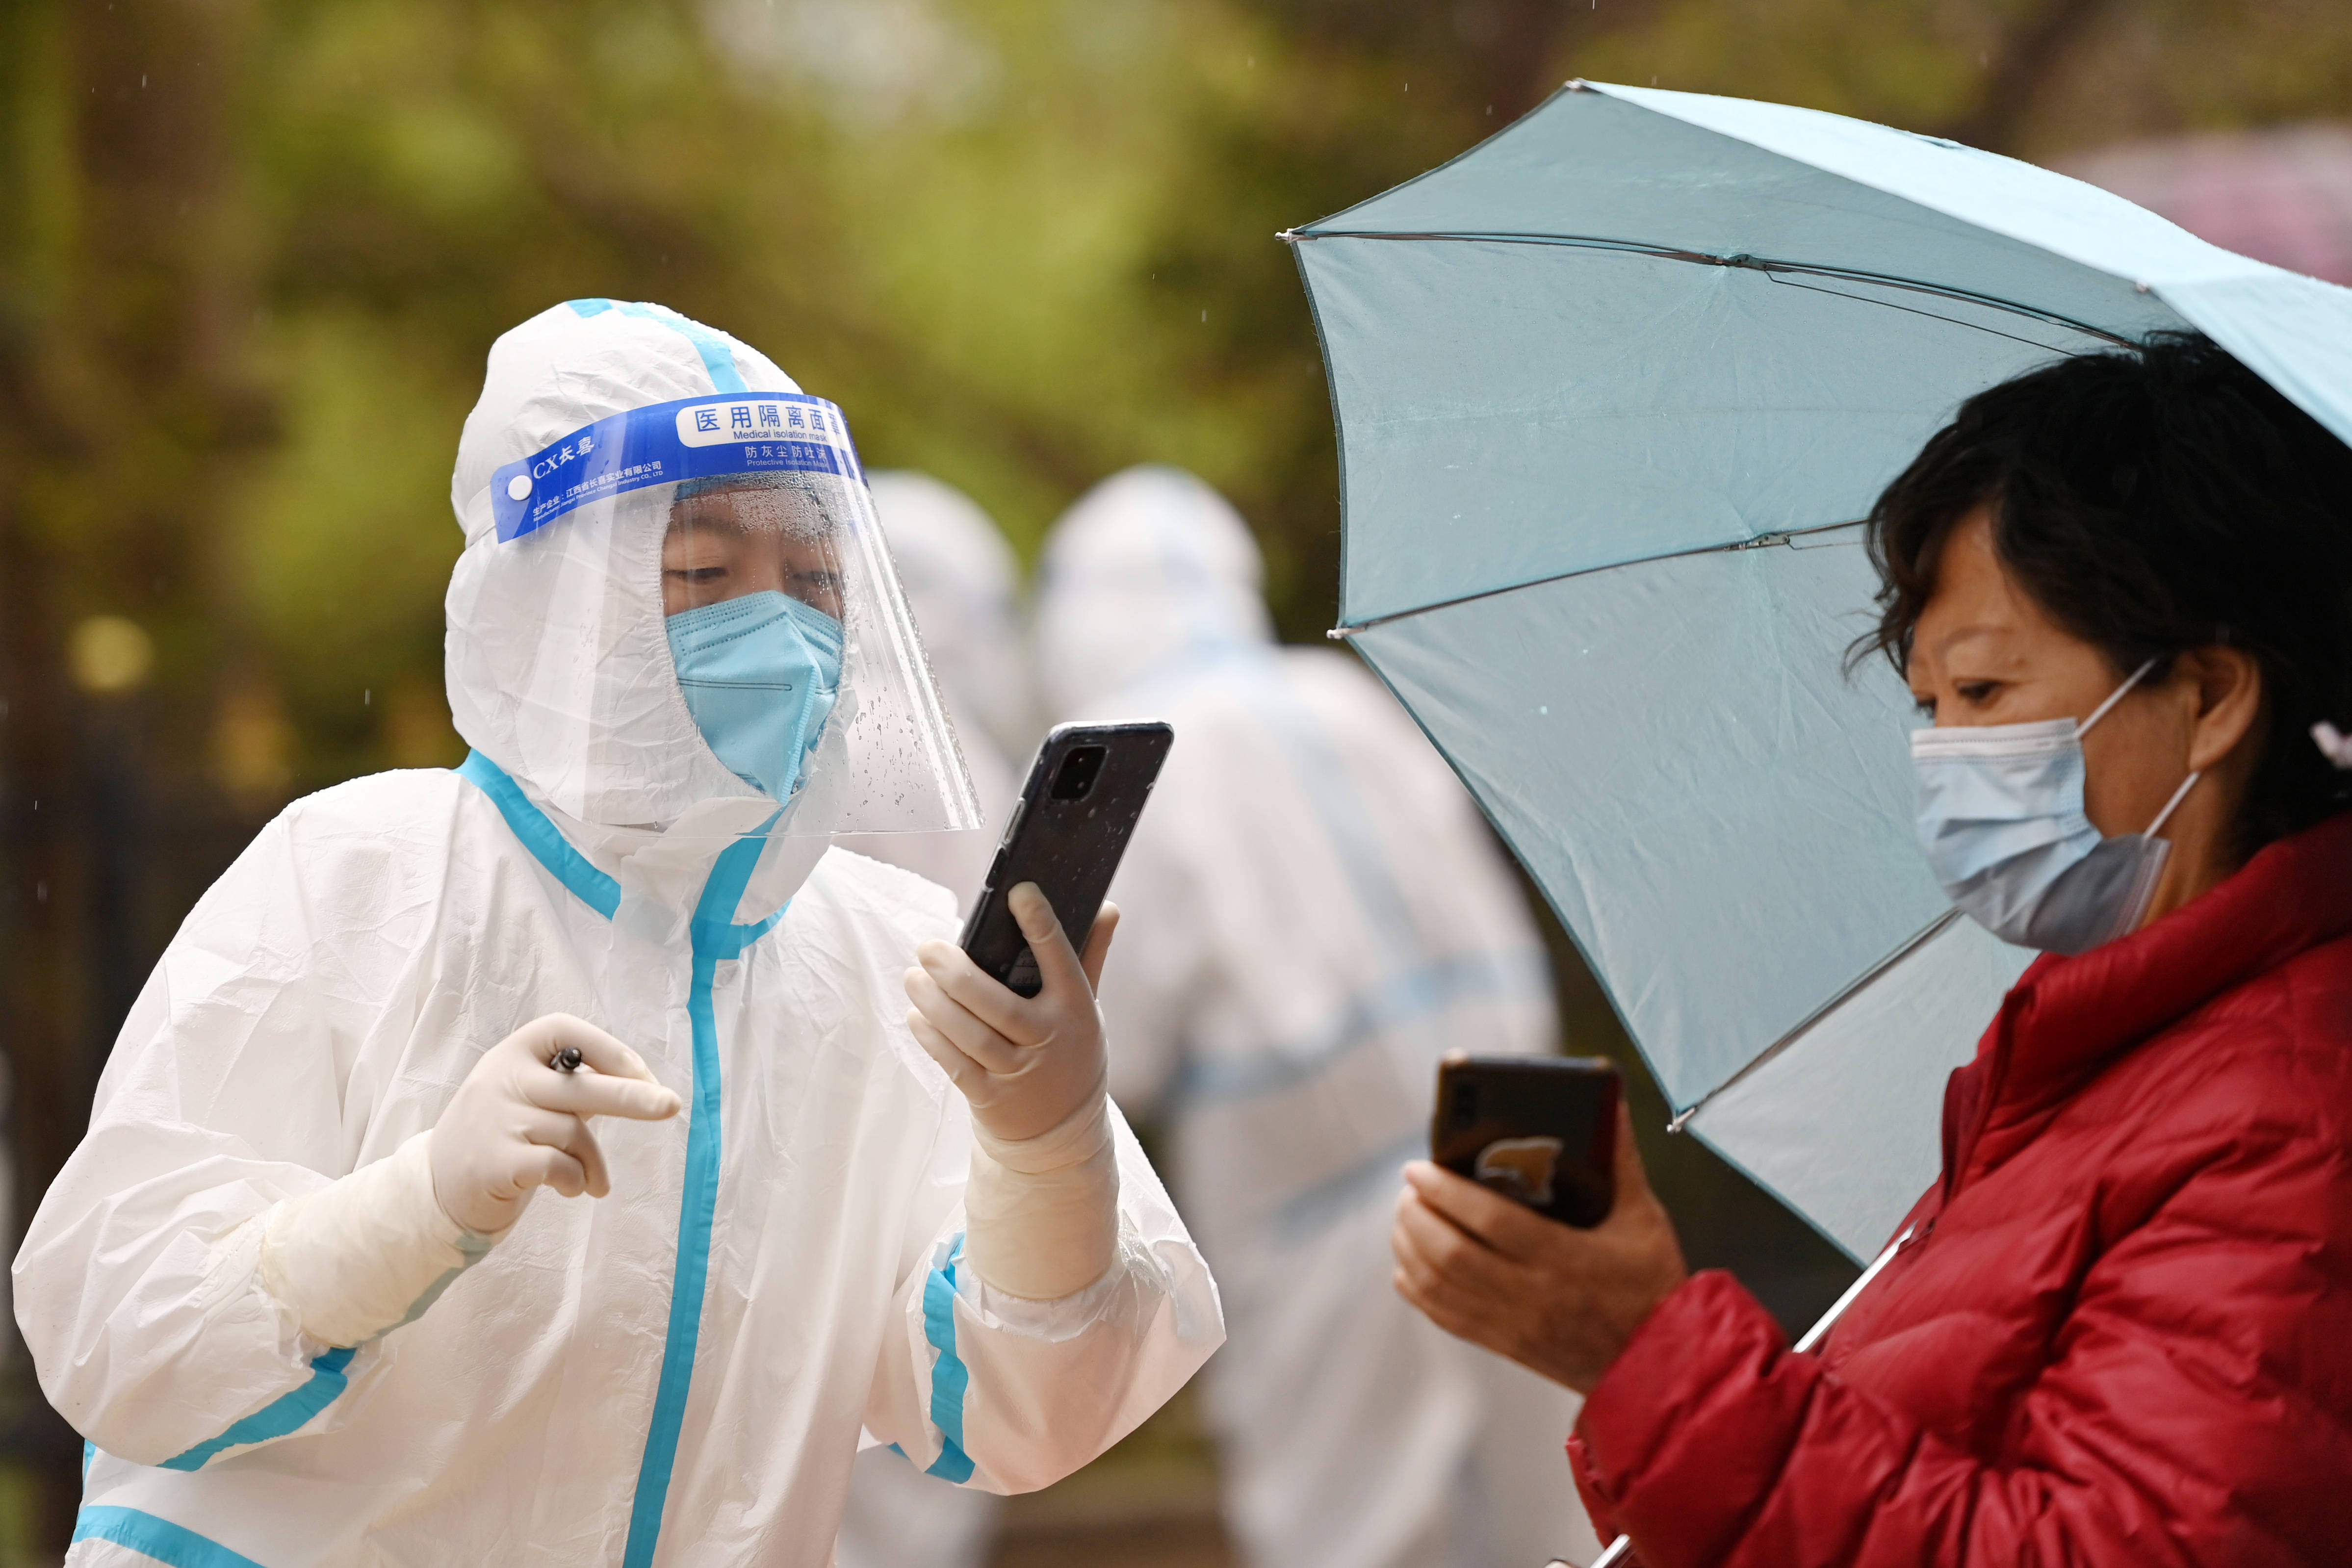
(1777, 270)
(1782, 536)
(1863, 982)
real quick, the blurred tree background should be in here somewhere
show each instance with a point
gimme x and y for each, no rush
(252, 253)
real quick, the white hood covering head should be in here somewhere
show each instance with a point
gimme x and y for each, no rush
(558, 662)
(1151, 573)
(964, 586)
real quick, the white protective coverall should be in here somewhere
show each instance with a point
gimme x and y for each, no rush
(677, 1373)
(1314, 913)
(963, 585)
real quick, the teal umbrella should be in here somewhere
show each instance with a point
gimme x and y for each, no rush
(1614, 390)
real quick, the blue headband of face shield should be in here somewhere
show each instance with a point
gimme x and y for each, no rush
(760, 674)
(670, 444)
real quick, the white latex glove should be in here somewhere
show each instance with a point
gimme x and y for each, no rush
(518, 1124)
(368, 1252)
(1025, 1062)
(1041, 1202)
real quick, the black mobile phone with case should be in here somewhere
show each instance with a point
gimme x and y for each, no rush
(1541, 1130)
(1085, 791)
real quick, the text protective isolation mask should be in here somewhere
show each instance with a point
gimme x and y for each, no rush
(760, 674)
(2001, 816)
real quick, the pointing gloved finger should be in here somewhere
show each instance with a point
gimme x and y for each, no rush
(974, 1038)
(551, 1035)
(1057, 961)
(592, 1093)
(1018, 1019)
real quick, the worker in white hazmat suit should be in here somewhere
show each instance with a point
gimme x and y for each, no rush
(298, 1287)
(1313, 915)
(962, 586)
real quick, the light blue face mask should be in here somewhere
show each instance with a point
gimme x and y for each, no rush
(2001, 816)
(759, 674)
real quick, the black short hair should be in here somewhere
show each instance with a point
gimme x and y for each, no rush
(2153, 499)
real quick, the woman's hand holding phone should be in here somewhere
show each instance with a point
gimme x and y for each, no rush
(1557, 1300)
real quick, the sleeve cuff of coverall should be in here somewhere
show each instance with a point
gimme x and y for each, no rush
(1695, 1364)
(1052, 1322)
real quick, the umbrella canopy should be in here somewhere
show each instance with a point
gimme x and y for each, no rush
(1614, 389)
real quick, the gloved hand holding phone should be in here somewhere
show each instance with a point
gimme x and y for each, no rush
(1025, 1063)
(1041, 1206)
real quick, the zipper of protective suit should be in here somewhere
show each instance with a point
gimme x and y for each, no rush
(1813, 1336)
(713, 938)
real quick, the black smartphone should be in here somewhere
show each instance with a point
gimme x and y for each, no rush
(1084, 793)
(1538, 1129)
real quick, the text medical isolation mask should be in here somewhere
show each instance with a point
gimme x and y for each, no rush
(2002, 819)
(760, 674)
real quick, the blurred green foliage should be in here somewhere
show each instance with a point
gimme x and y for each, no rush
(260, 248)
(256, 251)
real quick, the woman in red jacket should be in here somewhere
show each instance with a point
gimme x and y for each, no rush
(2120, 1329)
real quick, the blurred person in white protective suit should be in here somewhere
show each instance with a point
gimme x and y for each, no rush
(294, 1287)
(963, 585)
(1315, 914)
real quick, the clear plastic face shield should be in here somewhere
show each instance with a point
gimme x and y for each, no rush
(720, 644)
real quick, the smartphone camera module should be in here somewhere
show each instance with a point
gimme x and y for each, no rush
(1076, 779)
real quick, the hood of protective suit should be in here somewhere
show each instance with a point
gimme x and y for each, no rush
(558, 662)
(604, 428)
(963, 585)
(1150, 573)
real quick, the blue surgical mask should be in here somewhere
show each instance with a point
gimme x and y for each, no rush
(760, 674)
(2001, 816)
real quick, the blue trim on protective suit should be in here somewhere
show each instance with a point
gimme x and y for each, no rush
(545, 841)
(1304, 1216)
(1398, 1000)
(151, 1536)
(286, 1413)
(715, 938)
(951, 1379)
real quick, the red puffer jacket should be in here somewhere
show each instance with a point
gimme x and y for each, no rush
(2121, 1332)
